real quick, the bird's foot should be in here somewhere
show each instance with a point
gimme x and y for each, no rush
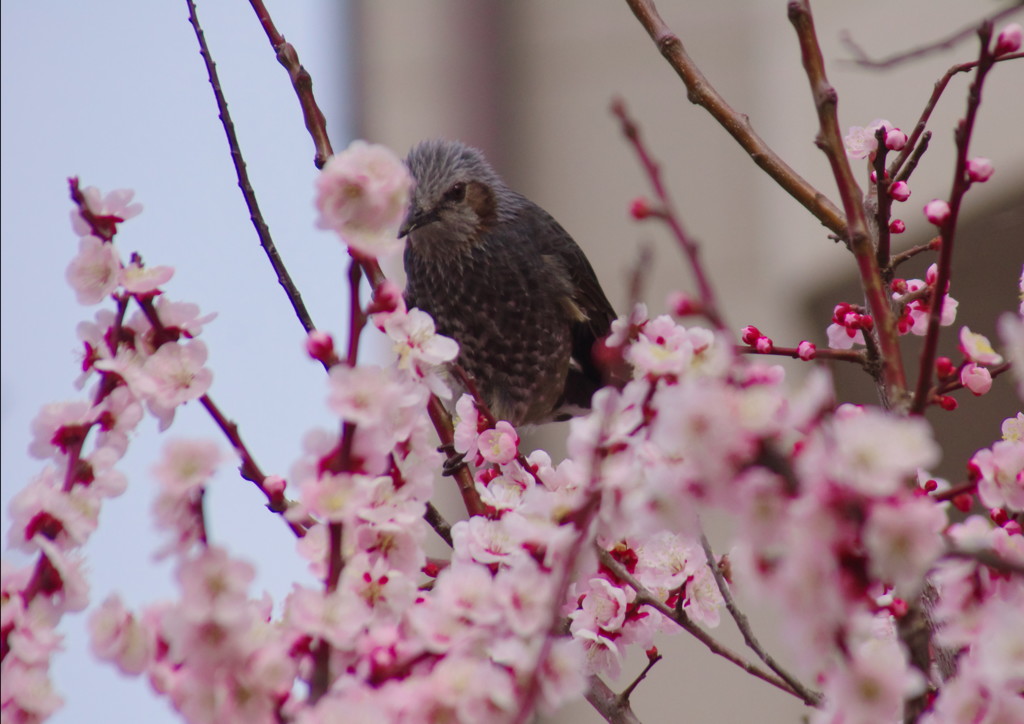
(455, 460)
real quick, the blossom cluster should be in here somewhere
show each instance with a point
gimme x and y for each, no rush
(148, 359)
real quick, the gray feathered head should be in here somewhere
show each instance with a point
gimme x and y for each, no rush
(457, 194)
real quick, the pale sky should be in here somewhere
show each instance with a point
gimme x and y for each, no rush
(116, 92)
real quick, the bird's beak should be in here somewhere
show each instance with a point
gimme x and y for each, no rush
(413, 220)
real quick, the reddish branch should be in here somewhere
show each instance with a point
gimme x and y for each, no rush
(862, 59)
(830, 141)
(301, 82)
(947, 230)
(667, 213)
(262, 230)
(702, 93)
(841, 355)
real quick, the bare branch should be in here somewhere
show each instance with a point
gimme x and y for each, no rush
(702, 93)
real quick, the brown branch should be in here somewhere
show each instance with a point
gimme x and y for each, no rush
(301, 82)
(830, 141)
(947, 229)
(862, 59)
(441, 526)
(262, 230)
(841, 355)
(913, 251)
(702, 93)
(608, 704)
(645, 598)
(810, 697)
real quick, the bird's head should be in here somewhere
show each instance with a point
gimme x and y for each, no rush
(455, 199)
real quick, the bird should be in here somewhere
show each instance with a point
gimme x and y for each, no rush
(507, 282)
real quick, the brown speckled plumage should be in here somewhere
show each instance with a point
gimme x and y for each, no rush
(504, 279)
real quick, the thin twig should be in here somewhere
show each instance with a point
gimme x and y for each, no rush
(287, 56)
(743, 624)
(667, 213)
(441, 526)
(913, 251)
(841, 355)
(628, 691)
(645, 597)
(830, 141)
(262, 230)
(862, 59)
(738, 125)
(947, 229)
(922, 122)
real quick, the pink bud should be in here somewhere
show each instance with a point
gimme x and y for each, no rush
(998, 516)
(979, 170)
(1009, 40)
(640, 209)
(806, 351)
(895, 140)
(944, 367)
(947, 403)
(900, 191)
(750, 334)
(931, 485)
(963, 502)
(896, 226)
(274, 484)
(764, 345)
(936, 211)
(681, 304)
(387, 297)
(1012, 527)
(320, 345)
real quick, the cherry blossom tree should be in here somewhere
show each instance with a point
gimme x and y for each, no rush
(900, 594)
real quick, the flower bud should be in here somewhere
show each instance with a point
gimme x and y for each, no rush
(640, 209)
(944, 367)
(750, 334)
(963, 502)
(806, 351)
(936, 211)
(1009, 40)
(896, 226)
(979, 170)
(320, 346)
(900, 191)
(895, 139)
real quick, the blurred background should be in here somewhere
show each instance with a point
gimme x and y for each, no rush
(115, 92)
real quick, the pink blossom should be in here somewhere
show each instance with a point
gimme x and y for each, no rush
(871, 688)
(117, 636)
(138, 279)
(376, 397)
(601, 654)
(175, 374)
(418, 345)
(116, 203)
(937, 211)
(1001, 471)
(183, 316)
(603, 607)
(903, 540)
(1009, 40)
(1013, 428)
(214, 586)
(28, 693)
(703, 599)
(875, 452)
(977, 348)
(561, 675)
(861, 142)
(56, 425)
(95, 272)
(362, 195)
(976, 378)
(187, 464)
(499, 445)
(840, 337)
(524, 594)
(467, 426)
(900, 191)
(980, 170)
(485, 541)
(336, 497)
(1011, 330)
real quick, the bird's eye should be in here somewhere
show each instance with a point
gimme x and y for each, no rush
(456, 193)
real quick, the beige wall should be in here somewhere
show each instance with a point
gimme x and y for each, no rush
(531, 82)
